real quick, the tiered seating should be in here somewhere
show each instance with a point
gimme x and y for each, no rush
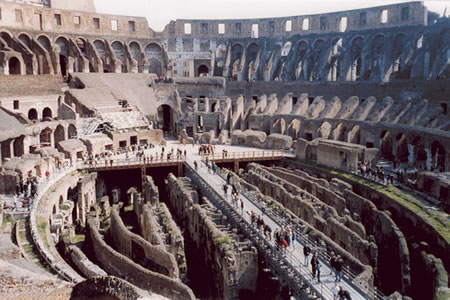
(125, 119)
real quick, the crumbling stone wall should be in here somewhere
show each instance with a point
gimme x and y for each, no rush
(119, 265)
(232, 269)
(153, 257)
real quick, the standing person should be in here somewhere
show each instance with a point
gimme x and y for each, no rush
(294, 238)
(344, 294)
(225, 190)
(195, 165)
(242, 206)
(314, 262)
(333, 263)
(306, 253)
(318, 266)
(228, 178)
(339, 263)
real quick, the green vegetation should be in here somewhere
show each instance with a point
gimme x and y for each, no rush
(224, 239)
(128, 208)
(436, 219)
(42, 226)
(78, 238)
(64, 207)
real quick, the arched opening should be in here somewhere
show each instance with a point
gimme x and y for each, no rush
(339, 133)
(120, 55)
(356, 50)
(438, 156)
(18, 146)
(165, 114)
(59, 134)
(14, 66)
(153, 53)
(61, 200)
(221, 54)
(54, 209)
(420, 156)
(203, 69)
(47, 113)
(45, 137)
(63, 64)
(294, 128)
(72, 132)
(32, 114)
(279, 126)
(236, 54)
(402, 147)
(301, 70)
(354, 135)
(324, 130)
(253, 63)
(386, 145)
(335, 60)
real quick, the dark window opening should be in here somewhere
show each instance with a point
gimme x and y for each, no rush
(369, 145)
(237, 28)
(132, 26)
(405, 13)
(271, 27)
(255, 98)
(309, 137)
(323, 23)
(362, 101)
(96, 23)
(294, 100)
(362, 18)
(204, 28)
(16, 104)
(310, 100)
(202, 97)
(58, 19)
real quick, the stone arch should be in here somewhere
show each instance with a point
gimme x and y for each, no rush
(45, 42)
(166, 117)
(400, 40)
(54, 209)
(376, 55)
(286, 48)
(236, 54)
(252, 55)
(279, 126)
(438, 155)
(324, 130)
(45, 137)
(386, 145)
(401, 149)
(6, 36)
(357, 45)
(339, 132)
(119, 52)
(14, 66)
(354, 135)
(64, 50)
(61, 200)
(153, 53)
(47, 113)
(302, 67)
(59, 134)
(420, 156)
(221, 56)
(25, 38)
(294, 128)
(335, 59)
(135, 49)
(32, 114)
(202, 69)
(101, 50)
(18, 146)
(71, 131)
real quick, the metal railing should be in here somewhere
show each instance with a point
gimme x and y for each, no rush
(268, 154)
(280, 264)
(130, 162)
(283, 218)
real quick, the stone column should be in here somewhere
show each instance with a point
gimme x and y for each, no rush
(429, 158)
(411, 158)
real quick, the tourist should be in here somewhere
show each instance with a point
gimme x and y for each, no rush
(294, 238)
(306, 253)
(335, 291)
(242, 206)
(318, 266)
(344, 294)
(225, 187)
(195, 165)
(338, 267)
(314, 262)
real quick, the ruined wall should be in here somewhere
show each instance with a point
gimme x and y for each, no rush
(152, 257)
(232, 269)
(119, 265)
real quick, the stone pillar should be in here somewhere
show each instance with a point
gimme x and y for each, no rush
(411, 158)
(429, 158)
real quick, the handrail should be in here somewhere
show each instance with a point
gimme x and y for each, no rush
(245, 154)
(111, 163)
(295, 279)
(276, 216)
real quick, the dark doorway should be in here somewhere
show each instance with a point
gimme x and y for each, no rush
(203, 70)
(14, 66)
(63, 64)
(45, 137)
(309, 137)
(165, 117)
(32, 114)
(133, 140)
(46, 113)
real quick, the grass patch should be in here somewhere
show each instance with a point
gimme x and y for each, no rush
(42, 226)
(128, 208)
(64, 207)
(438, 220)
(224, 239)
(78, 238)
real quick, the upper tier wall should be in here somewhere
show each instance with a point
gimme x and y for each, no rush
(56, 20)
(82, 19)
(413, 13)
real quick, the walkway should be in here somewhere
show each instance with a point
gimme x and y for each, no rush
(294, 260)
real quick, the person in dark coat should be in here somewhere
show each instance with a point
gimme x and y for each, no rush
(339, 263)
(306, 253)
(314, 262)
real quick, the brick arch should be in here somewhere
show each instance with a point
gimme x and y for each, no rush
(135, 49)
(45, 41)
(339, 132)
(6, 36)
(25, 38)
(324, 130)
(386, 143)
(354, 135)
